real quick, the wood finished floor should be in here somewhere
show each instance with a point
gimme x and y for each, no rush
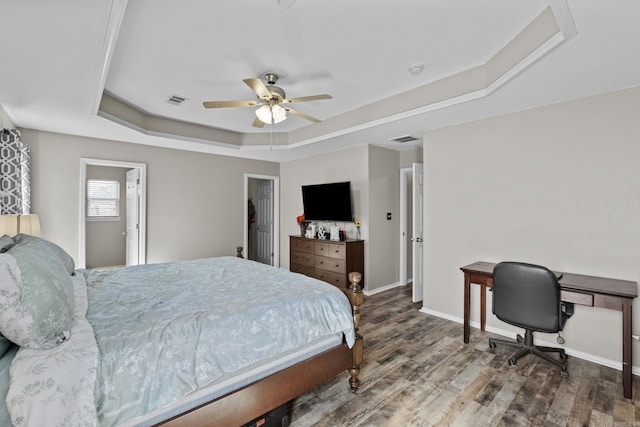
(418, 372)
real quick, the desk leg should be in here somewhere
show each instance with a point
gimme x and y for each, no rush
(483, 306)
(627, 361)
(466, 308)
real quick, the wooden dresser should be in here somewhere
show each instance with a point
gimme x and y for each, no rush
(327, 260)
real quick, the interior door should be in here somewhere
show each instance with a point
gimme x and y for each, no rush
(132, 235)
(264, 222)
(418, 218)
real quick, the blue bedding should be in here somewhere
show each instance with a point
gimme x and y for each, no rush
(6, 357)
(166, 330)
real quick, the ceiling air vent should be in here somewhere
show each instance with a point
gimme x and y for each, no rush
(403, 138)
(284, 3)
(176, 99)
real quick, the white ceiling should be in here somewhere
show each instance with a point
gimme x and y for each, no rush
(60, 57)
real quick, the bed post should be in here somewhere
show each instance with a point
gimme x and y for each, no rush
(356, 298)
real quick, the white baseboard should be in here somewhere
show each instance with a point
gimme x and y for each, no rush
(615, 364)
(382, 289)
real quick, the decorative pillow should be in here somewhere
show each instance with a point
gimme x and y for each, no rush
(5, 243)
(64, 257)
(4, 345)
(36, 295)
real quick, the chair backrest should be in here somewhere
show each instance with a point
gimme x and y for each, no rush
(527, 295)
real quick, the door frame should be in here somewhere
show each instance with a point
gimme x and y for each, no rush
(142, 218)
(417, 293)
(404, 227)
(276, 215)
(132, 207)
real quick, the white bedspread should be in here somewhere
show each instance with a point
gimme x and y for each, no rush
(55, 387)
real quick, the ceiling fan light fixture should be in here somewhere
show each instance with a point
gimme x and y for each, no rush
(269, 100)
(271, 114)
(279, 113)
(264, 114)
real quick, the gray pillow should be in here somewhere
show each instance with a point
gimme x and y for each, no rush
(5, 243)
(4, 345)
(64, 257)
(36, 295)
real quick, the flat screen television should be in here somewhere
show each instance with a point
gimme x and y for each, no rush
(327, 202)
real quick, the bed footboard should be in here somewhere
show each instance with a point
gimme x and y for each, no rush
(356, 298)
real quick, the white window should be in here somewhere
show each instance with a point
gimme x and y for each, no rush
(103, 199)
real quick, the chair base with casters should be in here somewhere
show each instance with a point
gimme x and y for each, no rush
(525, 346)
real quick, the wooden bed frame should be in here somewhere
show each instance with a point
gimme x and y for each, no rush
(250, 402)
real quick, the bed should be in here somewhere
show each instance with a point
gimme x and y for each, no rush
(216, 341)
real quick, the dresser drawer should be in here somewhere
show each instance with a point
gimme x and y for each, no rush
(302, 245)
(302, 259)
(331, 264)
(332, 250)
(303, 269)
(326, 260)
(336, 279)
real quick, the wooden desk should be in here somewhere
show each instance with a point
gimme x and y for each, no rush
(577, 288)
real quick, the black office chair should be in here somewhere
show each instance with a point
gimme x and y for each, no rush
(528, 296)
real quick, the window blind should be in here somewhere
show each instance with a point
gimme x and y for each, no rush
(103, 198)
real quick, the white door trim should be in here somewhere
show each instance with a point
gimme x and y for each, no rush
(84, 162)
(404, 227)
(132, 217)
(276, 215)
(417, 233)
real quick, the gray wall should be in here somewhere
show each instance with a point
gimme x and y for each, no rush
(374, 173)
(557, 186)
(195, 201)
(106, 245)
(384, 197)
(5, 121)
(346, 165)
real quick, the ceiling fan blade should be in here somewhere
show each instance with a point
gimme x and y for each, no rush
(257, 123)
(308, 98)
(303, 115)
(259, 88)
(225, 104)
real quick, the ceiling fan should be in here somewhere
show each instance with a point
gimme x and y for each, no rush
(270, 98)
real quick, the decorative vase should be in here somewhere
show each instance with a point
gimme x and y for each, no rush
(357, 233)
(303, 227)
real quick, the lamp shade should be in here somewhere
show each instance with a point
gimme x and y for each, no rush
(8, 225)
(15, 224)
(278, 113)
(264, 114)
(29, 224)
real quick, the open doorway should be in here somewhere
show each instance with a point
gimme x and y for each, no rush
(121, 239)
(262, 219)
